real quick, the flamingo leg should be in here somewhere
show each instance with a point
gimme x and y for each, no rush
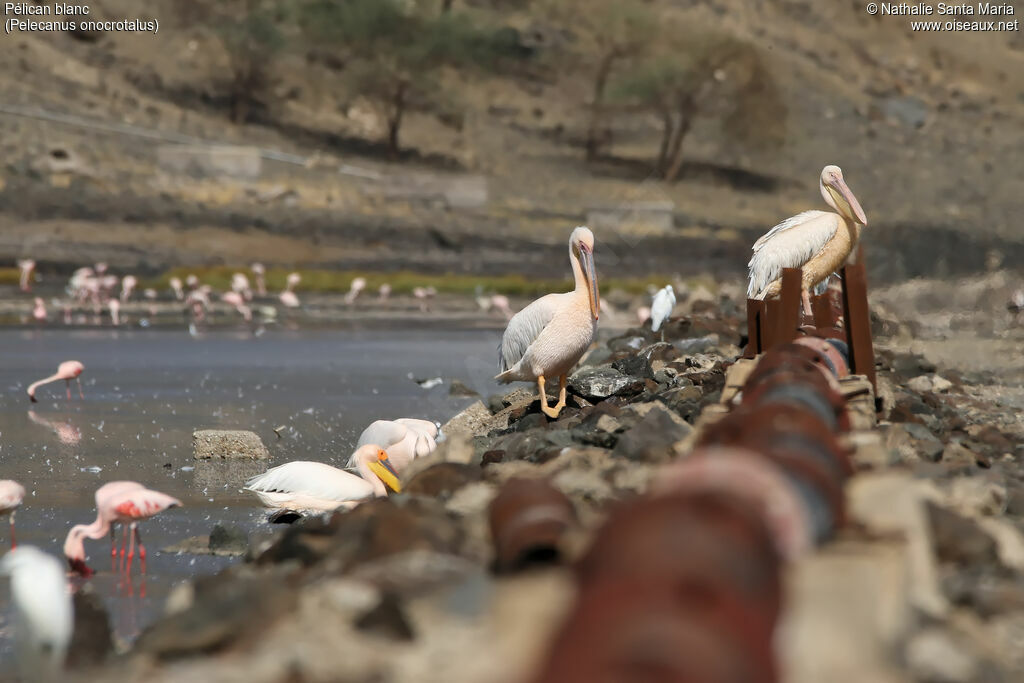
(80, 394)
(805, 295)
(142, 552)
(14, 542)
(124, 542)
(68, 383)
(113, 550)
(131, 548)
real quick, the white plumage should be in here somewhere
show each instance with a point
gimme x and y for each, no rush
(305, 485)
(790, 244)
(43, 610)
(403, 439)
(661, 307)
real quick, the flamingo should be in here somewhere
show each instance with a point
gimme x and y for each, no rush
(43, 612)
(67, 371)
(357, 286)
(117, 502)
(424, 294)
(288, 297)
(240, 284)
(661, 308)
(27, 267)
(128, 284)
(39, 310)
(258, 272)
(238, 301)
(402, 440)
(384, 292)
(305, 485)
(177, 288)
(11, 495)
(548, 337)
(820, 242)
(114, 306)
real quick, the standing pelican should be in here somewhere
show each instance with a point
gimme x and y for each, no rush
(548, 337)
(661, 308)
(44, 616)
(820, 242)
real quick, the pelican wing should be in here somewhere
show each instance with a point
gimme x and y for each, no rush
(524, 327)
(313, 480)
(790, 244)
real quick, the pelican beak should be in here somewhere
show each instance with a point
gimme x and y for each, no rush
(386, 473)
(587, 263)
(844, 193)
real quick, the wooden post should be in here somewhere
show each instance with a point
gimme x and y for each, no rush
(770, 324)
(790, 304)
(858, 321)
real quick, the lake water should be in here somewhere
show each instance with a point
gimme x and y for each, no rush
(146, 391)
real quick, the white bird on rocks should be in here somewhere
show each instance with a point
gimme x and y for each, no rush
(820, 242)
(548, 337)
(661, 308)
(43, 612)
(403, 439)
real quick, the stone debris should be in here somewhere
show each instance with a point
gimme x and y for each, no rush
(228, 444)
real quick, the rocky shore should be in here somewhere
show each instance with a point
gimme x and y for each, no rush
(925, 582)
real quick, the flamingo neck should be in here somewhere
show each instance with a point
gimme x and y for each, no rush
(73, 546)
(32, 387)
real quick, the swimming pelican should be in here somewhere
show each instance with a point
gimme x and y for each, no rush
(820, 242)
(548, 337)
(661, 308)
(403, 440)
(305, 485)
(44, 615)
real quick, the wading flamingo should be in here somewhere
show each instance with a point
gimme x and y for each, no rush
(11, 495)
(403, 440)
(238, 301)
(114, 307)
(39, 310)
(384, 292)
(258, 272)
(27, 267)
(288, 297)
(44, 616)
(118, 502)
(548, 337)
(67, 371)
(305, 485)
(128, 284)
(357, 286)
(661, 308)
(820, 242)
(177, 288)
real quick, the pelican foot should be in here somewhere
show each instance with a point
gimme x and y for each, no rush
(552, 412)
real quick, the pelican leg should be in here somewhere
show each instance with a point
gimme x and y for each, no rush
(550, 412)
(805, 295)
(561, 394)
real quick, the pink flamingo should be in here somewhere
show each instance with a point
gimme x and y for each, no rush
(240, 284)
(128, 284)
(118, 502)
(27, 267)
(11, 495)
(176, 286)
(238, 301)
(357, 286)
(114, 306)
(288, 297)
(501, 303)
(67, 371)
(258, 272)
(384, 292)
(424, 294)
(39, 310)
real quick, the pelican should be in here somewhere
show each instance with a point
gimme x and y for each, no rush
(402, 440)
(44, 616)
(548, 337)
(661, 308)
(305, 485)
(817, 241)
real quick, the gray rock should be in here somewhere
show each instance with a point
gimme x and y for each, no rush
(913, 441)
(698, 345)
(602, 382)
(228, 444)
(228, 538)
(470, 422)
(958, 539)
(653, 438)
(458, 388)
